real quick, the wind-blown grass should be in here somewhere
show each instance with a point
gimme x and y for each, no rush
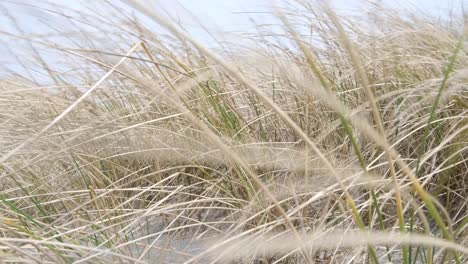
(345, 144)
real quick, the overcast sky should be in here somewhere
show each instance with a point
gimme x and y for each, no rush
(37, 16)
(227, 14)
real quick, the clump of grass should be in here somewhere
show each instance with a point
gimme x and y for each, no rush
(344, 145)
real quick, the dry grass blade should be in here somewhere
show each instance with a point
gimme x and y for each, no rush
(256, 246)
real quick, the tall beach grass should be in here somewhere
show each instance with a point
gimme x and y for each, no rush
(319, 137)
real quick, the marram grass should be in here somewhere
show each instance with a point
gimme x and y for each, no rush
(329, 139)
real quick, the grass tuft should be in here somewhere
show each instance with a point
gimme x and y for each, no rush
(323, 137)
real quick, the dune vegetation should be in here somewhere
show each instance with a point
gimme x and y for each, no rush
(324, 138)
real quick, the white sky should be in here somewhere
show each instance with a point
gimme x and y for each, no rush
(215, 15)
(223, 13)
